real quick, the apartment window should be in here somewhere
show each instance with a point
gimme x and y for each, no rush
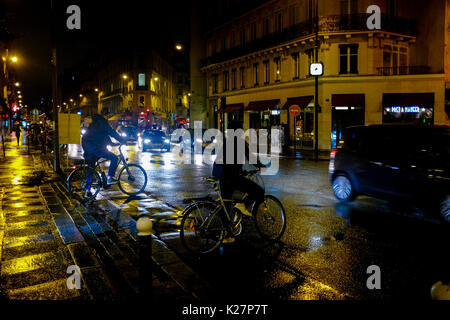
(266, 26)
(395, 60)
(311, 10)
(349, 6)
(224, 43)
(233, 79)
(254, 31)
(296, 60)
(214, 79)
(266, 72)
(141, 79)
(277, 69)
(293, 15)
(242, 74)
(233, 39)
(391, 7)
(348, 59)
(310, 54)
(226, 81)
(242, 36)
(256, 73)
(279, 22)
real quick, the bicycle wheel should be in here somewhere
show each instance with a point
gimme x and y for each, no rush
(82, 181)
(133, 180)
(270, 218)
(202, 229)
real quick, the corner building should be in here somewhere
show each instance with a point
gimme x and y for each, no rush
(260, 62)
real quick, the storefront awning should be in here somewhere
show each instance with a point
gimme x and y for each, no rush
(348, 100)
(232, 108)
(408, 99)
(263, 105)
(302, 102)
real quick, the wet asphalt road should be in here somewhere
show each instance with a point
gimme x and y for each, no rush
(327, 247)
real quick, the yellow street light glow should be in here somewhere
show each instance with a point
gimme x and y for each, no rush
(17, 84)
(156, 78)
(14, 59)
(125, 76)
(96, 90)
(71, 100)
(178, 47)
(81, 95)
(19, 92)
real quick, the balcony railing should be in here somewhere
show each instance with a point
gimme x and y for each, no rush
(336, 23)
(403, 70)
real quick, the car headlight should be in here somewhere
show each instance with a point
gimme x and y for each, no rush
(83, 131)
(123, 134)
(147, 141)
(166, 141)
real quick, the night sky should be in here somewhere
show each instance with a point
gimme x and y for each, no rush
(105, 26)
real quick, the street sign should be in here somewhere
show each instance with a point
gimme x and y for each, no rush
(316, 69)
(69, 128)
(294, 110)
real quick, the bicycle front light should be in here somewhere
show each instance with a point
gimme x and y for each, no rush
(147, 141)
(166, 141)
(124, 134)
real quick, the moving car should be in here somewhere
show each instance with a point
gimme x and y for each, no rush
(154, 139)
(128, 132)
(394, 162)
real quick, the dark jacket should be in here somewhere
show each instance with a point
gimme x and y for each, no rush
(97, 136)
(230, 170)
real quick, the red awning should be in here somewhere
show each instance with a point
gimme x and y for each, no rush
(302, 102)
(263, 105)
(408, 99)
(348, 100)
(232, 107)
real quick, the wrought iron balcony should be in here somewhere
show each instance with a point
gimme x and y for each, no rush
(335, 23)
(403, 70)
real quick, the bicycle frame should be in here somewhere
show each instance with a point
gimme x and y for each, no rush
(221, 203)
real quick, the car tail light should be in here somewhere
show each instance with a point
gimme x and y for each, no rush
(333, 153)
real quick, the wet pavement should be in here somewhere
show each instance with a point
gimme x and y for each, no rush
(324, 253)
(327, 247)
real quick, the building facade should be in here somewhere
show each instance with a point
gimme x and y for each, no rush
(140, 88)
(260, 62)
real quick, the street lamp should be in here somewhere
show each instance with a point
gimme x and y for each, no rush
(179, 47)
(125, 76)
(17, 84)
(14, 59)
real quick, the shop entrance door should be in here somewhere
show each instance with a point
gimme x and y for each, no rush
(343, 117)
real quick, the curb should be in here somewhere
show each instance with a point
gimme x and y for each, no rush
(165, 258)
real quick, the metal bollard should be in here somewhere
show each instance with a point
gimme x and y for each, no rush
(144, 226)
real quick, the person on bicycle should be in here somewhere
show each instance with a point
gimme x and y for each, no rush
(95, 142)
(232, 176)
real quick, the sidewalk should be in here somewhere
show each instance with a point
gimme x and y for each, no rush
(43, 232)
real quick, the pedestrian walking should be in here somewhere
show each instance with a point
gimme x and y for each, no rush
(17, 131)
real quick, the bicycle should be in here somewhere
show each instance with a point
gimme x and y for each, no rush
(85, 179)
(206, 223)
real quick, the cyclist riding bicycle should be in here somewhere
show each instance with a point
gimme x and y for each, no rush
(95, 142)
(232, 176)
